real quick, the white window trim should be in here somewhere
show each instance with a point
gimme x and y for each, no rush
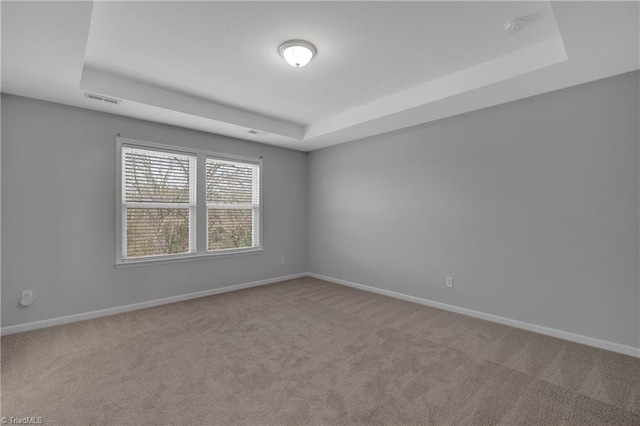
(254, 206)
(201, 232)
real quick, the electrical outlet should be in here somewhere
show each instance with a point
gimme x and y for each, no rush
(282, 260)
(449, 282)
(27, 297)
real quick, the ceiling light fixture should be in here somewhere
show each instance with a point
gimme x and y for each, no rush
(297, 53)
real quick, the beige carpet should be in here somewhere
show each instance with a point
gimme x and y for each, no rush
(307, 351)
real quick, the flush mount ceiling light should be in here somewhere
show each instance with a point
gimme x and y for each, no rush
(297, 53)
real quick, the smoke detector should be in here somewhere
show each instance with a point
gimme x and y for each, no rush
(101, 98)
(515, 25)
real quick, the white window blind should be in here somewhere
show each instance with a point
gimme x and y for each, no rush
(177, 203)
(158, 202)
(233, 204)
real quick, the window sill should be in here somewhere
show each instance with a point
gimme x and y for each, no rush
(184, 258)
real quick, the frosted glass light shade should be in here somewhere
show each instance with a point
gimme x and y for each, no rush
(297, 53)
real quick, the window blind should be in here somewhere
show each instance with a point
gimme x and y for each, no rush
(233, 204)
(158, 202)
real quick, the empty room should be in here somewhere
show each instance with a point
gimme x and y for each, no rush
(331, 212)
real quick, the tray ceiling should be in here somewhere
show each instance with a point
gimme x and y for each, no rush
(381, 66)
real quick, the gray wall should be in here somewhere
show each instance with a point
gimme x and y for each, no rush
(58, 214)
(532, 206)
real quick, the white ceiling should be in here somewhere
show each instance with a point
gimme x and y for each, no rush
(381, 66)
(227, 52)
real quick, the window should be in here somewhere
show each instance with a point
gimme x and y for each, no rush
(233, 204)
(176, 203)
(159, 202)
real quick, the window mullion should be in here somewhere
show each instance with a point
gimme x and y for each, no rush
(147, 205)
(201, 204)
(231, 206)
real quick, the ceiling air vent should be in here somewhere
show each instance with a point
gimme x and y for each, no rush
(258, 132)
(101, 98)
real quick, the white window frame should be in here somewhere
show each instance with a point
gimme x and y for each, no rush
(254, 206)
(198, 219)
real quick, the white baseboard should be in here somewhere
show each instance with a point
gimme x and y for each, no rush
(135, 306)
(578, 338)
